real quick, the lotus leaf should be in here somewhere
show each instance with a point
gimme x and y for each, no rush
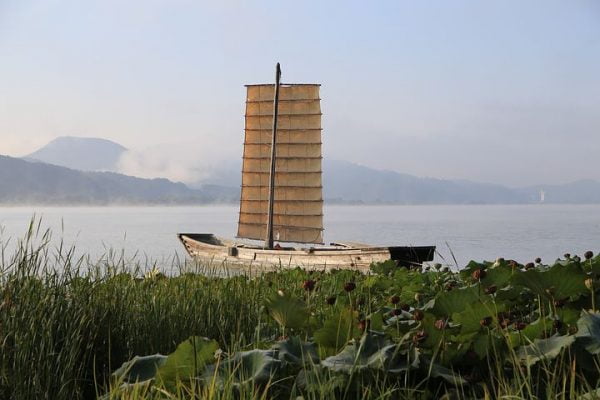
(558, 282)
(337, 331)
(254, 366)
(373, 352)
(188, 360)
(535, 330)
(457, 300)
(435, 335)
(288, 311)
(470, 319)
(297, 352)
(588, 331)
(140, 368)
(544, 349)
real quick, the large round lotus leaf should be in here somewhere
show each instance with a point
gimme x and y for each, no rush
(498, 275)
(289, 312)
(448, 303)
(558, 282)
(568, 315)
(140, 368)
(434, 336)
(297, 352)
(255, 366)
(535, 330)
(359, 355)
(470, 317)
(394, 360)
(376, 321)
(188, 360)
(337, 331)
(543, 349)
(588, 332)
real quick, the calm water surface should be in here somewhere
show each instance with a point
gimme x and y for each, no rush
(520, 232)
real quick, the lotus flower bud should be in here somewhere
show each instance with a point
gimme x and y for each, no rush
(396, 312)
(363, 325)
(560, 303)
(419, 337)
(530, 265)
(520, 325)
(440, 324)
(418, 315)
(308, 285)
(478, 274)
(557, 324)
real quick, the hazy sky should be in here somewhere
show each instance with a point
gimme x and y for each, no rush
(505, 91)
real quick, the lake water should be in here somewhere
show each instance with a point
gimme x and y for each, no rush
(520, 232)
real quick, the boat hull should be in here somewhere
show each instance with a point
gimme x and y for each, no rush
(215, 251)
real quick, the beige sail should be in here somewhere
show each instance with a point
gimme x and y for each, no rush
(298, 204)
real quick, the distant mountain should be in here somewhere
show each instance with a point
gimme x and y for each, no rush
(343, 182)
(86, 154)
(347, 182)
(24, 182)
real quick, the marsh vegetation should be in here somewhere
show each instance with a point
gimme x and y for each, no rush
(72, 328)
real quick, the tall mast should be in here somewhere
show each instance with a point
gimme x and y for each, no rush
(269, 238)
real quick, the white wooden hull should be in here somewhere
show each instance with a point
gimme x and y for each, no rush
(215, 251)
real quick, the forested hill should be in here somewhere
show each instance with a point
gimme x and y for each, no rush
(25, 182)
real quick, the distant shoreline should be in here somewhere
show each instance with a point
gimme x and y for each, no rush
(236, 204)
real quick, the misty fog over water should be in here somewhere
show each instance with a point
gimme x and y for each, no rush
(520, 232)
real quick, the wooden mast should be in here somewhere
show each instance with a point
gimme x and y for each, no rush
(269, 237)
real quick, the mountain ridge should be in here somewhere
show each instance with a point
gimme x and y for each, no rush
(75, 153)
(344, 182)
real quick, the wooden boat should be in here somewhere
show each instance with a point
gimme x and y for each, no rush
(281, 193)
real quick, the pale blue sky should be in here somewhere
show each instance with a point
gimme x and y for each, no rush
(504, 91)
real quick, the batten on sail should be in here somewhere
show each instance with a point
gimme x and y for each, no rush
(298, 194)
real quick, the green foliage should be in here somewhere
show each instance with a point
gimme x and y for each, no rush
(558, 282)
(256, 367)
(140, 368)
(289, 312)
(588, 333)
(337, 331)
(369, 351)
(295, 351)
(544, 349)
(187, 361)
(492, 330)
